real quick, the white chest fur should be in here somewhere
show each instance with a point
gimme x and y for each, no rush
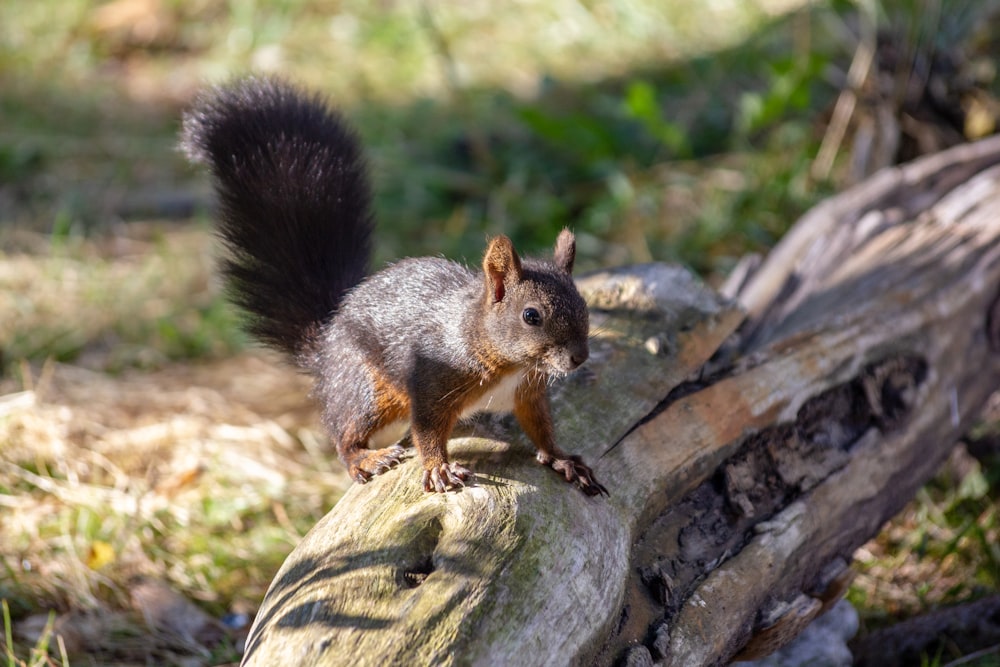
(500, 398)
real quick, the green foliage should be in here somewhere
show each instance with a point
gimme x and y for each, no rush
(738, 127)
(790, 88)
(209, 329)
(641, 104)
(18, 159)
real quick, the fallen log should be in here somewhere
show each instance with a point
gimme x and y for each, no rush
(749, 445)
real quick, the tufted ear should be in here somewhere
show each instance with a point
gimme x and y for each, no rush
(502, 267)
(565, 252)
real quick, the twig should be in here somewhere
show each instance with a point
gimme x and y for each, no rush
(864, 56)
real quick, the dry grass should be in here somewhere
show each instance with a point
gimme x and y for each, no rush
(92, 458)
(200, 474)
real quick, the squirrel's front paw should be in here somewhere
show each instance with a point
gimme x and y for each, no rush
(445, 476)
(576, 472)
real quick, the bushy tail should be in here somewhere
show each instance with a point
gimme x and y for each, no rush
(294, 205)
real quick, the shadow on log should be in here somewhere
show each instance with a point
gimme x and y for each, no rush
(750, 445)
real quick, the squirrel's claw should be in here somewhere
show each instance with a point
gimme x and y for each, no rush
(445, 476)
(575, 471)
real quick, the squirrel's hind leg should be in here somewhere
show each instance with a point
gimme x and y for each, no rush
(363, 463)
(366, 424)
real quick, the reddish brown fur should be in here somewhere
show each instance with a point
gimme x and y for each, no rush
(531, 409)
(392, 403)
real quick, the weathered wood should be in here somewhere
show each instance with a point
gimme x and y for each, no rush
(868, 345)
(740, 484)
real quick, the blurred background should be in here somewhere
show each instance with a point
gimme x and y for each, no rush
(143, 436)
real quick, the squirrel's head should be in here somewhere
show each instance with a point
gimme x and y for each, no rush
(534, 313)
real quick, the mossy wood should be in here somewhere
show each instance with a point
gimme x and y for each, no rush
(749, 450)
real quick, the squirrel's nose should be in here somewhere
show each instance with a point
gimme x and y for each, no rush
(579, 356)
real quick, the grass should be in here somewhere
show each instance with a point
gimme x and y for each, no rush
(171, 475)
(140, 299)
(140, 436)
(508, 131)
(39, 654)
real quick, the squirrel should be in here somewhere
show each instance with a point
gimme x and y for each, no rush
(424, 341)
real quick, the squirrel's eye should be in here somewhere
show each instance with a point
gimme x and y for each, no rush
(532, 317)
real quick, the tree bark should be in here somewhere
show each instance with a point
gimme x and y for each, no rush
(749, 447)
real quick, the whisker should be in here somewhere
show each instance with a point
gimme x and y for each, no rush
(461, 389)
(598, 331)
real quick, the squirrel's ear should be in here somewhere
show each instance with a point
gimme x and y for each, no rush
(565, 252)
(502, 267)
